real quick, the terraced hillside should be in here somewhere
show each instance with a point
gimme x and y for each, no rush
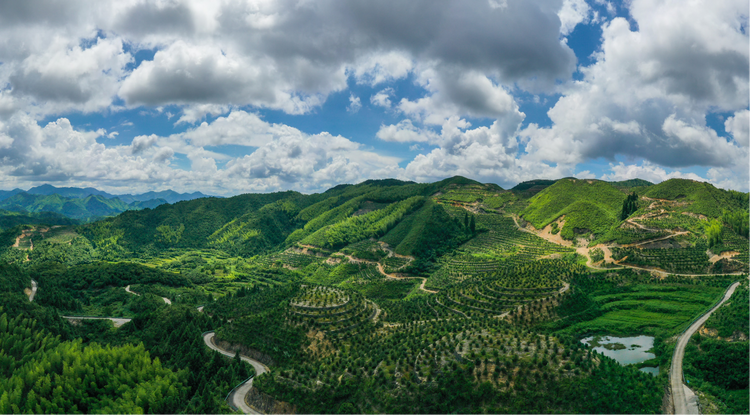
(388, 296)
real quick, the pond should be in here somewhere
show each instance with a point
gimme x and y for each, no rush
(625, 350)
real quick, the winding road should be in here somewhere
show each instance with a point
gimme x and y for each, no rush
(166, 300)
(116, 320)
(381, 270)
(34, 287)
(685, 401)
(237, 397)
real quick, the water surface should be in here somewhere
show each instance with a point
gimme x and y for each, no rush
(626, 350)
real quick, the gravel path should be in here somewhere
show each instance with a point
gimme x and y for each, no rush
(166, 300)
(118, 321)
(685, 401)
(34, 287)
(237, 398)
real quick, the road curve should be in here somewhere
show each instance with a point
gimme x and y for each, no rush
(166, 300)
(237, 399)
(685, 401)
(34, 287)
(116, 320)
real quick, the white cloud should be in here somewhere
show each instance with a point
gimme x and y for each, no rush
(142, 143)
(464, 94)
(646, 171)
(571, 14)
(647, 95)
(648, 92)
(354, 104)
(377, 68)
(283, 158)
(404, 132)
(739, 126)
(382, 98)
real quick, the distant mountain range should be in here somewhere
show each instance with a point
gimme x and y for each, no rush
(85, 203)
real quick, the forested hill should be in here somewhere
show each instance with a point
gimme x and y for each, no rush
(84, 204)
(254, 223)
(382, 297)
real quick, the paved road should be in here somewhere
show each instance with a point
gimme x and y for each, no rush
(685, 401)
(118, 321)
(166, 300)
(237, 399)
(33, 290)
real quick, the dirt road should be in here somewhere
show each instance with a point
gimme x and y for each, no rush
(34, 287)
(685, 401)
(166, 300)
(237, 398)
(380, 268)
(118, 321)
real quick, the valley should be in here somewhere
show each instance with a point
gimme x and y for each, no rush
(391, 297)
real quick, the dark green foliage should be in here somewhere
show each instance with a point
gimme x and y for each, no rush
(41, 374)
(733, 317)
(629, 205)
(438, 234)
(719, 368)
(397, 372)
(629, 184)
(713, 233)
(254, 311)
(722, 363)
(13, 279)
(356, 228)
(103, 274)
(737, 221)
(136, 231)
(588, 206)
(532, 187)
(77, 251)
(705, 198)
(173, 334)
(90, 207)
(10, 219)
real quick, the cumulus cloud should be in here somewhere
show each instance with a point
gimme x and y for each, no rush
(382, 98)
(142, 143)
(354, 103)
(739, 126)
(404, 132)
(464, 94)
(281, 157)
(646, 171)
(648, 92)
(284, 54)
(571, 14)
(646, 96)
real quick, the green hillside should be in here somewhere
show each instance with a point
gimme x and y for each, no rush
(531, 187)
(379, 297)
(589, 206)
(87, 208)
(9, 219)
(698, 197)
(630, 184)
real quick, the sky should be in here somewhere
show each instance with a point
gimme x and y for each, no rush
(238, 96)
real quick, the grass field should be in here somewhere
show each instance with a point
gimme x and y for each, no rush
(648, 309)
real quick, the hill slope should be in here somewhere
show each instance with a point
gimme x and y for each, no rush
(589, 206)
(93, 206)
(699, 197)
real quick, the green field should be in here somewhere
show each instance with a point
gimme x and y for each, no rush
(647, 309)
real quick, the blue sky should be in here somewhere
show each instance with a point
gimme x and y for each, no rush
(232, 97)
